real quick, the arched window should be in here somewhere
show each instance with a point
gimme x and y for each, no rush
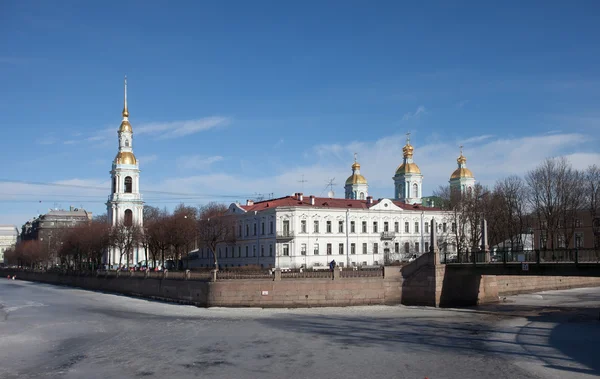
(127, 143)
(114, 185)
(415, 190)
(128, 217)
(128, 184)
(362, 195)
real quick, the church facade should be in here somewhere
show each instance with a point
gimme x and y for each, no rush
(125, 206)
(307, 231)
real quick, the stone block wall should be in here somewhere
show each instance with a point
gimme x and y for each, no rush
(516, 284)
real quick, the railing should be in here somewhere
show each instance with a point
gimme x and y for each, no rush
(388, 235)
(228, 275)
(307, 274)
(527, 256)
(155, 275)
(284, 235)
(362, 273)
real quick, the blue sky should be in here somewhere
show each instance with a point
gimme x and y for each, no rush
(232, 98)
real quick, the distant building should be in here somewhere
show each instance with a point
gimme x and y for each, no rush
(583, 234)
(9, 235)
(48, 226)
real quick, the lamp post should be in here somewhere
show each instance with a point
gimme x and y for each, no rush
(257, 219)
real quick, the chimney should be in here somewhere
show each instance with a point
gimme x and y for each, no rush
(300, 196)
(369, 199)
(249, 202)
(312, 200)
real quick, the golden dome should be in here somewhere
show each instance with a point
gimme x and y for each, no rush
(356, 166)
(461, 159)
(356, 179)
(462, 173)
(408, 150)
(125, 127)
(125, 157)
(408, 168)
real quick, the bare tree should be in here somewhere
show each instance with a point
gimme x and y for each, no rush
(215, 227)
(592, 195)
(182, 230)
(453, 203)
(508, 210)
(124, 238)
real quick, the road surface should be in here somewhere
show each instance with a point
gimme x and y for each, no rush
(58, 332)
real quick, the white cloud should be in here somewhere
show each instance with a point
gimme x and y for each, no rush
(198, 162)
(176, 129)
(69, 142)
(46, 140)
(417, 114)
(477, 139)
(145, 159)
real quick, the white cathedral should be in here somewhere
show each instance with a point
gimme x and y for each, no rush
(125, 205)
(307, 231)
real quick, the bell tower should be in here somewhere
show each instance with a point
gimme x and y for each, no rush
(125, 206)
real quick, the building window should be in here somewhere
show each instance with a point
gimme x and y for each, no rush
(352, 248)
(302, 226)
(303, 249)
(444, 227)
(328, 226)
(426, 227)
(415, 190)
(453, 227)
(396, 248)
(375, 248)
(406, 247)
(561, 241)
(247, 252)
(374, 226)
(352, 227)
(316, 226)
(406, 227)
(239, 251)
(262, 250)
(227, 252)
(219, 252)
(254, 228)
(417, 227)
(341, 227)
(416, 247)
(271, 227)
(577, 223)
(316, 249)
(396, 227)
(341, 248)
(239, 230)
(270, 250)
(254, 250)
(247, 230)
(128, 217)
(386, 226)
(286, 250)
(328, 249)
(578, 240)
(262, 228)
(114, 185)
(364, 226)
(426, 247)
(128, 184)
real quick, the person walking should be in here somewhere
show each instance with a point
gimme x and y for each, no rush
(332, 267)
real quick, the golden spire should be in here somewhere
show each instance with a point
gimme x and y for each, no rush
(461, 158)
(125, 111)
(356, 165)
(408, 149)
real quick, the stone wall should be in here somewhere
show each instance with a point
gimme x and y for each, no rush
(516, 284)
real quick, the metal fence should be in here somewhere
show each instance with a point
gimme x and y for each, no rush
(229, 275)
(528, 256)
(365, 273)
(306, 274)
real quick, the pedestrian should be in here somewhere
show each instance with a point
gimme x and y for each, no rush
(332, 267)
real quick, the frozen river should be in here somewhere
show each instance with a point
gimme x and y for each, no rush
(58, 332)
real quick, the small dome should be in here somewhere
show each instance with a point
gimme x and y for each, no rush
(408, 168)
(125, 127)
(125, 157)
(462, 173)
(356, 179)
(408, 150)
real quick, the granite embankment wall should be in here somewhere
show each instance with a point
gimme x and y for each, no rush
(240, 292)
(421, 283)
(512, 285)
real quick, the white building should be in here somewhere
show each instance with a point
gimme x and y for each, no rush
(306, 231)
(8, 238)
(125, 203)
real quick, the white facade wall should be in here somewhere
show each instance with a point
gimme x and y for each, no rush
(305, 247)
